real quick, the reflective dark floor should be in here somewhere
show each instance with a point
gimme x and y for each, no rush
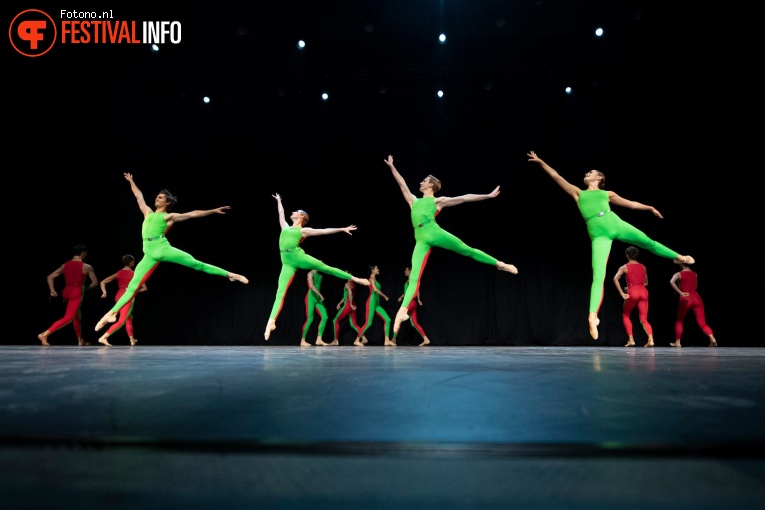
(382, 427)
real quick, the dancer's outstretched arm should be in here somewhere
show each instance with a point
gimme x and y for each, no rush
(442, 202)
(307, 231)
(280, 208)
(563, 183)
(145, 209)
(400, 180)
(176, 217)
(631, 204)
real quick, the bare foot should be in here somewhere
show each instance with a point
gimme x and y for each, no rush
(401, 316)
(507, 267)
(319, 341)
(685, 259)
(675, 344)
(649, 343)
(238, 278)
(712, 342)
(631, 343)
(358, 342)
(361, 281)
(425, 342)
(303, 343)
(109, 317)
(133, 341)
(364, 340)
(334, 342)
(594, 327)
(43, 337)
(103, 340)
(269, 328)
(388, 341)
(82, 342)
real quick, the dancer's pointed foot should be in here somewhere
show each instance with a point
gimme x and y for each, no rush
(649, 343)
(103, 340)
(360, 281)
(630, 343)
(43, 338)
(269, 328)
(334, 342)
(238, 278)
(502, 266)
(133, 341)
(712, 342)
(425, 342)
(319, 341)
(675, 344)
(594, 322)
(109, 317)
(401, 316)
(358, 342)
(303, 343)
(685, 259)
(388, 341)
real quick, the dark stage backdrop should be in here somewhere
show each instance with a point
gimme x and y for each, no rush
(81, 116)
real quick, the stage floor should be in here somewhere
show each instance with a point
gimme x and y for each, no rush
(381, 427)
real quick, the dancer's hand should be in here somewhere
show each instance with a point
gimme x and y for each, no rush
(655, 212)
(348, 229)
(494, 193)
(277, 196)
(221, 210)
(389, 161)
(533, 157)
(128, 176)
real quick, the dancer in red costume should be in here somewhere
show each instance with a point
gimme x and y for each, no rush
(75, 272)
(412, 310)
(123, 277)
(346, 308)
(685, 283)
(635, 294)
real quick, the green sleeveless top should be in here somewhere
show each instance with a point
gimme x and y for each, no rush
(154, 225)
(592, 203)
(289, 238)
(317, 280)
(423, 211)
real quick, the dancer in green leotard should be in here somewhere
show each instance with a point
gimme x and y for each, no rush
(428, 234)
(294, 257)
(314, 302)
(156, 247)
(604, 226)
(373, 308)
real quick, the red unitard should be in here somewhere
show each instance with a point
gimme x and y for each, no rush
(688, 282)
(635, 276)
(126, 312)
(72, 295)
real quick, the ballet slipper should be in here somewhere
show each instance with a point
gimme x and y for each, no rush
(594, 323)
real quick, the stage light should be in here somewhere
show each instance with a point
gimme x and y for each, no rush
(568, 90)
(598, 32)
(206, 99)
(301, 44)
(324, 96)
(442, 38)
(154, 48)
(440, 93)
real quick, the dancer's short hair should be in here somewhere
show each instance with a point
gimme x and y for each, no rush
(171, 199)
(632, 252)
(305, 216)
(79, 249)
(127, 259)
(436, 182)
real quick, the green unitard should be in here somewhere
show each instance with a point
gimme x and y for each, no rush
(373, 307)
(156, 249)
(313, 303)
(604, 226)
(294, 258)
(428, 234)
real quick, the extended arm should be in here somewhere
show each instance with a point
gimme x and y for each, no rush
(145, 209)
(280, 208)
(307, 231)
(176, 217)
(51, 278)
(105, 281)
(563, 183)
(631, 204)
(442, 202)
(618, 277)
(400, 180)
(673, 283)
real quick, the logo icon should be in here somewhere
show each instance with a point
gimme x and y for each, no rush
(32, 33)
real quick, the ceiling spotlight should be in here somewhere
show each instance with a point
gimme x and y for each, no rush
(442, 38)
(206, 99)
(154, 48)
(568, 90)
(440, 93)
(301, 44)
(324, 96)
(598, 32)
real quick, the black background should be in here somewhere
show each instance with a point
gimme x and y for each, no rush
(659, 104)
